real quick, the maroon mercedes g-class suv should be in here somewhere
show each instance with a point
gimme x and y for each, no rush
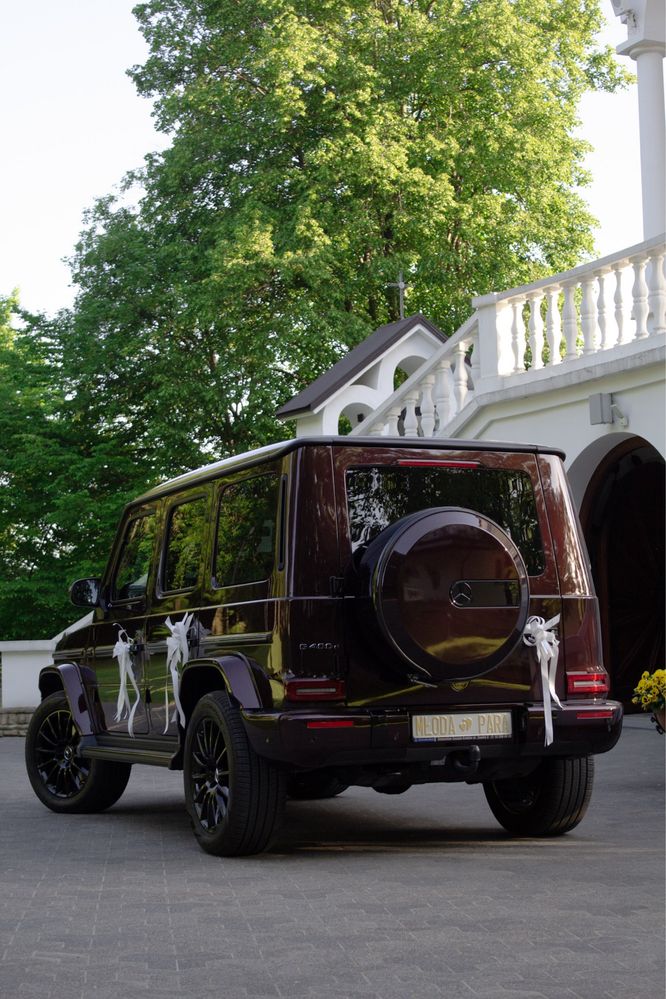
(337, 611)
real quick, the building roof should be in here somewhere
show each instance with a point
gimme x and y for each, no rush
(353, 363)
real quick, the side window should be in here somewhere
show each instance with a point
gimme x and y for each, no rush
(131, 576)
(246, 531)
(184, 541)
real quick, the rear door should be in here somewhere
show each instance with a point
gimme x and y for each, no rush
(382, 486)
(118, 637)
(173, 626)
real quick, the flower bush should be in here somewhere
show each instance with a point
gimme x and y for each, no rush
(650, 693)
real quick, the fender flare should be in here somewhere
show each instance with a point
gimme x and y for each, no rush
(242, 678)
(77, 683)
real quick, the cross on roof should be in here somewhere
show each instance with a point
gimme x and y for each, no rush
(400, 285)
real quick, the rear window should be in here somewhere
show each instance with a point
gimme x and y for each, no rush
(377, 496)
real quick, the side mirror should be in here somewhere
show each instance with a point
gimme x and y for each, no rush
(85, 592)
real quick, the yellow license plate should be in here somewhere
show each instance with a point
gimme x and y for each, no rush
(471, 725)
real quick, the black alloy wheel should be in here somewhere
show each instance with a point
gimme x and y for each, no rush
(60, 777)
(234, 797)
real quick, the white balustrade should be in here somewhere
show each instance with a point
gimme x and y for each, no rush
(578, 311)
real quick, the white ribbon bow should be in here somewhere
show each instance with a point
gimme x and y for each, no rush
(178, 652)
(539, 635)
(122, 651)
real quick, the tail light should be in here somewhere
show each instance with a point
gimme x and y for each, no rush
(582, 684)
(320, 689)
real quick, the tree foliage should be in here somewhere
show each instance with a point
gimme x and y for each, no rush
(315, 150)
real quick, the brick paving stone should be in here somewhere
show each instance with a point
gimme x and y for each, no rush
(366, 896)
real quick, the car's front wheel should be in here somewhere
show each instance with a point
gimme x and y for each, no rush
(234, 797)
(60, 777)
(548, 802)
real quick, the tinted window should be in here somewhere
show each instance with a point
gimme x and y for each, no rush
(187, 524)
(381, 495)
(136, 554)
(246, 529)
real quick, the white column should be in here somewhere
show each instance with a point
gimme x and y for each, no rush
(649, 65)
(646, 44)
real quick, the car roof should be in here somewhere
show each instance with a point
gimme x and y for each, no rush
(271, 452)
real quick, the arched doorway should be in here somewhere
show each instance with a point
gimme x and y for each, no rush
(623, 521)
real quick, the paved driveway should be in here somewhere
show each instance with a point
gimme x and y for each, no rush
(412, 896)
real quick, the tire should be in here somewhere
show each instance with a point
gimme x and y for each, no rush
(60, 778)
(314, 787)
(234, 797)
(549, 802)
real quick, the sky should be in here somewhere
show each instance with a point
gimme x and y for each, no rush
(73, 125)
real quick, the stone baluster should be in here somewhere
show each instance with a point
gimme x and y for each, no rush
(392, 429)
(656, 295)
(444, 398)
(623, 331)
(553, 325)
(536, 330)
(460, 387)
(476, 362)
(606, 336)
(588, 316)
(518, 336)
(427, 406)
(378, 429)
(639, 293)
(411, 419)
(570, 322)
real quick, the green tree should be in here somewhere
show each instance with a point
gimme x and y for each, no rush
(62, 481)
(316, 149)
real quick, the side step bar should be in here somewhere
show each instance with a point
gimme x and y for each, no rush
(90, 748)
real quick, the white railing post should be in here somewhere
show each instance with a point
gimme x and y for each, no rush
(444, 395)
(427, 406)
(536, 330)
(553, 325)
(411, 419)
(570, 321)
(460, 375)
(640, 293)
(588, 316)
(392, 421)
(623, 332)
(605, 339)
(495, 354)
(518, 336)
(657, 295)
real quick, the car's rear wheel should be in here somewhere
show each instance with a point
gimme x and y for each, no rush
(314, 786)
(548, 802)
(60, 777)
(234, 797)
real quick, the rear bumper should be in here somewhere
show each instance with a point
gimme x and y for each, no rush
(310, 739)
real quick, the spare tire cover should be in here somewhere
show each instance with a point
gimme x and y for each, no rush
(448, 591)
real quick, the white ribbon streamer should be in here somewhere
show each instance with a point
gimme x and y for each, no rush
(178, 652)
(122, 651)
(539, 635)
